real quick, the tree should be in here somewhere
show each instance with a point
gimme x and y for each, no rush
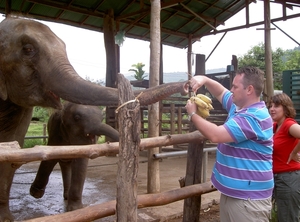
(292, 59)
(139, 72)
(256, 57)
(100, 82)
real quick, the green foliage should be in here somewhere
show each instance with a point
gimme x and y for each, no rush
(256, 57)
(273, 212)
(41, 113)
(120, 38)
(292, 59)
(35, 129)
(139, 72)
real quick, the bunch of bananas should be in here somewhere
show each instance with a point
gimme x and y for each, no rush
(204, 104)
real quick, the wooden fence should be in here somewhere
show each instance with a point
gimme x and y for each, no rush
(18, 155)
(174, 121)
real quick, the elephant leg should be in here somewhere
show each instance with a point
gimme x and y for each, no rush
(79, 168)
(66, 171)
(6, 178)
(40, 182)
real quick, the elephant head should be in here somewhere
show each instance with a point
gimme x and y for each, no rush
(78, 125)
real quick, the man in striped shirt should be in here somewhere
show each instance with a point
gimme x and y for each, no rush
(243, 169)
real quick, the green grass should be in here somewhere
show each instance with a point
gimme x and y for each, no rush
(37, 129)
(273, 212)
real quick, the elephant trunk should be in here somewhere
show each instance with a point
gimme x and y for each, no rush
(108, 131)
(70, 86)
(155, 94)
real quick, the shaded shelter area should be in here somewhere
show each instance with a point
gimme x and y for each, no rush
(183, 22)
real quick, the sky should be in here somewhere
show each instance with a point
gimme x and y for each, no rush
(86, 49)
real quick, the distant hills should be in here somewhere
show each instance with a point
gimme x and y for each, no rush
(176, 76)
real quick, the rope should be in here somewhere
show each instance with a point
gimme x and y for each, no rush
(130, 101)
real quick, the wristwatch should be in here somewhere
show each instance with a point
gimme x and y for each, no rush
(190, 116)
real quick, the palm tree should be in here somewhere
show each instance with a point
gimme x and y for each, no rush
(139, 72)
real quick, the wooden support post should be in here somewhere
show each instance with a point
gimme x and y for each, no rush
(189, 60)
(153, 183)
(8, 7)
(268, 50)
(192, 206)
(129, 122)
(200, 69)
(112, 63)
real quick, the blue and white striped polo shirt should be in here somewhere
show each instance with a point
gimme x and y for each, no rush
(243, 168)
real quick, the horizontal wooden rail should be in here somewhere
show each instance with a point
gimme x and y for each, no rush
(97, 211)
(11, 151)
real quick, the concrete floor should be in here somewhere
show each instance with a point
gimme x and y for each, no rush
(100, 187)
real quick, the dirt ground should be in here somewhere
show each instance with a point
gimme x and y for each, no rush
(210, 214)
(100, 187)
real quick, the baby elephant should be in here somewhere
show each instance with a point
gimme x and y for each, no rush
(73, 125)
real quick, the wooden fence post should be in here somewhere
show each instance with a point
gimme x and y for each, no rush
(44, 132)
(179, 120)
(172, 118)
(129, 124)
(192, 205)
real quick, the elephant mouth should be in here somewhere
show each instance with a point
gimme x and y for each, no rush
(91, 138)
(55, 100)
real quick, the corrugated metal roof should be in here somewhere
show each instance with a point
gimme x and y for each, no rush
(180, 19)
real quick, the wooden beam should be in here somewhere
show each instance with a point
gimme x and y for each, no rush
(91, 213)
(11, 151)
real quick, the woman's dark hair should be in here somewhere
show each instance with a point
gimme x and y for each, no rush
(286, 102)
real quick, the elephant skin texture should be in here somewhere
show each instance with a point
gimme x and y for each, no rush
(73, 125)
(35, 71)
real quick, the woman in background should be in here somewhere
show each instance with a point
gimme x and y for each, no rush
(286, 166)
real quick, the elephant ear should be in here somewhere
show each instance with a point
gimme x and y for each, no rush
(3, 90)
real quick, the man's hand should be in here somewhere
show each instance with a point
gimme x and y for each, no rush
(196, 82)
(190, 107)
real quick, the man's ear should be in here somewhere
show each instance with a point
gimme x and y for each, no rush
(250, 89)
(3, 89)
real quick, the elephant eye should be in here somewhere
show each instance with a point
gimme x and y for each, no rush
(28, 50)
(76, 117)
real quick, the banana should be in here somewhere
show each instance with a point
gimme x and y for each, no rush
(204, 104)
(204, 113)
(199, 102)
(210, 107)
(204, 98)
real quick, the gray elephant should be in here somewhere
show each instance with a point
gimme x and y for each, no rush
(73, 125)
(35, 71)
